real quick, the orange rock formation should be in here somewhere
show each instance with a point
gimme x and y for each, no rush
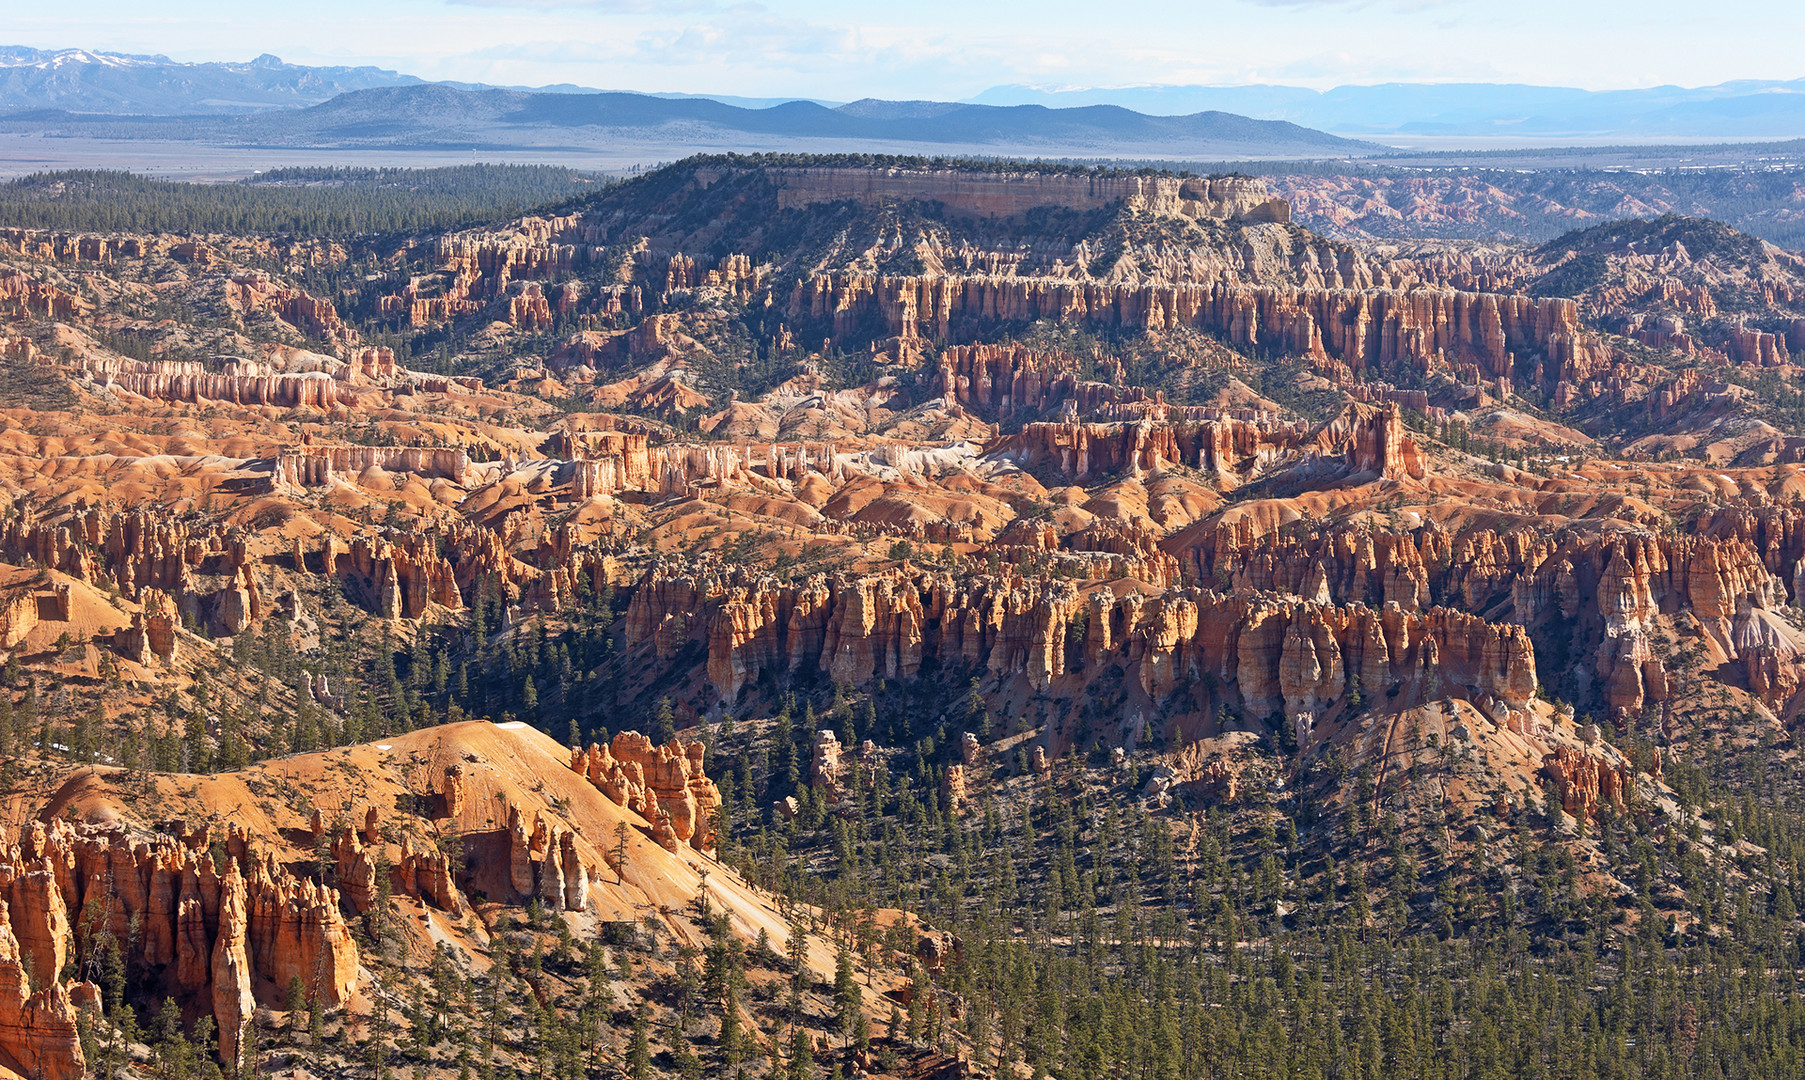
(663, 784)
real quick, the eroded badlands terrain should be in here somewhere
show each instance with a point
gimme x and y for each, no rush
(882, 498)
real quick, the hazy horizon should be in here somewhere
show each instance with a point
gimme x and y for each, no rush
(941, 51)
(1080, 92)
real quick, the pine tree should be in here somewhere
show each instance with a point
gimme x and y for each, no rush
(848, 998)
(802, 1054)
(664, 724)
(620, 852)
(639, 1052)
(29, 717)
(296, 1004)
(783, 751)
(796, 952)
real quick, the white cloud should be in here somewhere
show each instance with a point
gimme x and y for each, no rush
(599, 7)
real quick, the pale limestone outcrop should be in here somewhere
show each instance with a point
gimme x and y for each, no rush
(1010, 194)
(520, 854)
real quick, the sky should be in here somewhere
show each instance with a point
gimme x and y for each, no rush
(951, 49)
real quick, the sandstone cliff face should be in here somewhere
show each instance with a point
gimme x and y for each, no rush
(233, 1003)
(611, 463)
(53, 245)
(402, 574)
(1363, 439)
(1601, 591)
(528, 251)
(18, 617)
(1295, 656)
(316, 466)
(544, 864)
(1586, 782)
(1598, 594)
(824, 764)
(1003, 195)
(451, 793)
(317, 318)
(173, 567)
(167, 381)
(666, 785)
(1000, 381)
(36, 1030)
(953, 792)
(520, 853)
(1370, 330)
(21, 294)
(129, 550)
(426, 873)
(1271, 290)
(514, 268)
(152, 633)
(356, 869)
(201, 934)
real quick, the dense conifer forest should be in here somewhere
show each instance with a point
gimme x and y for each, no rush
(294, 201)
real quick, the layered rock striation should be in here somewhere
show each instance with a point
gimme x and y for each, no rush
(1365, 330)
(1362, 439)
(1273, 654)
(317, 466)
(235, 384)
(1599, 594)
(1011, 194)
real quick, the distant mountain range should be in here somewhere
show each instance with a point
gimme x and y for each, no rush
(118, 83)
(415, 115)
(268, 101)
(1746, 109)
(82, 80)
